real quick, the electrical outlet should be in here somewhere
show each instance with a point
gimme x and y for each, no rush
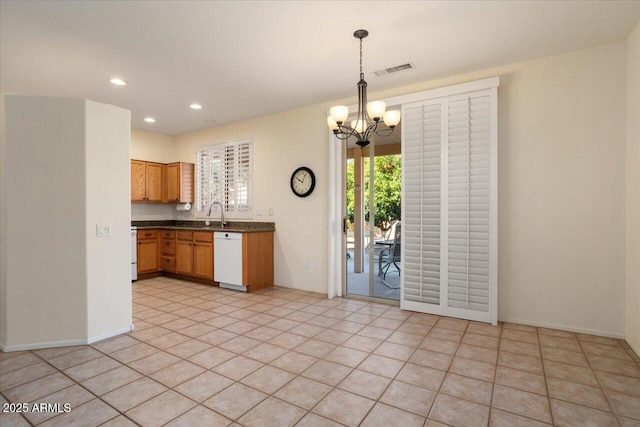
(307, 265)
(270, 211)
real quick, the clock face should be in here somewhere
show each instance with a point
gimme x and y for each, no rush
(303, 181)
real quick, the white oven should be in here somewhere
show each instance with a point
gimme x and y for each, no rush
(134, 253)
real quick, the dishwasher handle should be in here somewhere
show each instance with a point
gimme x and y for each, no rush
(227, 236)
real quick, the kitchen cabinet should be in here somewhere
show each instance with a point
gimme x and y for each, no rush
(257, 260)
(203, 255)
(179, 182)
(148, 250)
(184, 253)
(146, 181)
(168, 250)
(194, 254)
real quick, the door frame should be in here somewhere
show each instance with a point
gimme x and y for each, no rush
(337, 188)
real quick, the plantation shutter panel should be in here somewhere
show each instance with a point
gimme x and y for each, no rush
(450, 206)
(421, 211)
(224, 175)
(469, 202)
(238, 174)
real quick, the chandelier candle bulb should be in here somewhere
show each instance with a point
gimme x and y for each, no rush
(332, 123)
(339, 113)
(358, 125)
(392, 118)
(376, 109)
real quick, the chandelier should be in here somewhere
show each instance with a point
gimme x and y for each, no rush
(369, 114)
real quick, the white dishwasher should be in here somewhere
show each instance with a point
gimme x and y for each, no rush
(227, 260)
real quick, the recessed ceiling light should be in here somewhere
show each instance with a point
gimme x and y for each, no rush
(118, 82)
(196, 106)
(150, 120)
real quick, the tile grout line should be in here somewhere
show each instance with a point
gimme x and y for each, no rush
(544, 375)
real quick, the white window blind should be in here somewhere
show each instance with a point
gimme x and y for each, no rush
(223, 174)
(469, 208)
(421, 212)
(450, 206)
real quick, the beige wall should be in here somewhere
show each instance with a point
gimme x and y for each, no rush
(152, 147)
(44, 226)
(281, 143)
(632, 333)
(107, 134)
(561, 187)
(64, 170)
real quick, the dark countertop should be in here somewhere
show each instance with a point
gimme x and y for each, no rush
(231, 227)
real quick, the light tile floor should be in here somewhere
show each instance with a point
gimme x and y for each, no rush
(203, 356)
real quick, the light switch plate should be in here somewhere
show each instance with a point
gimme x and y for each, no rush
(259, 212)
(103, 230)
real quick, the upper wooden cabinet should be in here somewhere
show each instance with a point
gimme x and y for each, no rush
(157, 182)
(146, 181)
(180, 182)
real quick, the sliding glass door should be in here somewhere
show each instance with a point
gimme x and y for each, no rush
(373, 214)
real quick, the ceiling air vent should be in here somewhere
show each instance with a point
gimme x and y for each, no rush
(395, 69)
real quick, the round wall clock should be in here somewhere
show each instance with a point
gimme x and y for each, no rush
(303, 181)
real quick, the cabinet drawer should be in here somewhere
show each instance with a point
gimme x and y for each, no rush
(203, 236)
(168, 234)
(168, 247)
(169, 263)
(185, 235)
(147, 234)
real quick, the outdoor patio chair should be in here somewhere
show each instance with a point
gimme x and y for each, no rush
(391, 255)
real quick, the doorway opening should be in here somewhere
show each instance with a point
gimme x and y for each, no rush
(373, 218)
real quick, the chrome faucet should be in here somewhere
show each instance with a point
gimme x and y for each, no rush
(222, 221)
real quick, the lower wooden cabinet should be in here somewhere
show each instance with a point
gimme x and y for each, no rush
(194, 254)
(184, 257)
(190, 254)
(148, 251)
(203, 255)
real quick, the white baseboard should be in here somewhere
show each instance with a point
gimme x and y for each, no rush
(42, 345)
(565, 328)
(634, 346)
(110, 334)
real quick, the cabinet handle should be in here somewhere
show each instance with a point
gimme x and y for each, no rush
(167, 244)
(147, 234)
(139, 243)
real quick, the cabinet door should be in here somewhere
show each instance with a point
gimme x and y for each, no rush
(184, 257)
(138, 182)
(173, 182)
(154, 182)
(147, 255)
(203, 260)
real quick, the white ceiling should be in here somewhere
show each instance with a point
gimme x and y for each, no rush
(243, 59)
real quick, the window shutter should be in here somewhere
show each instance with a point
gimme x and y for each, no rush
(449, 206)
(421, 211)
(224, 174)
(469, 207)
